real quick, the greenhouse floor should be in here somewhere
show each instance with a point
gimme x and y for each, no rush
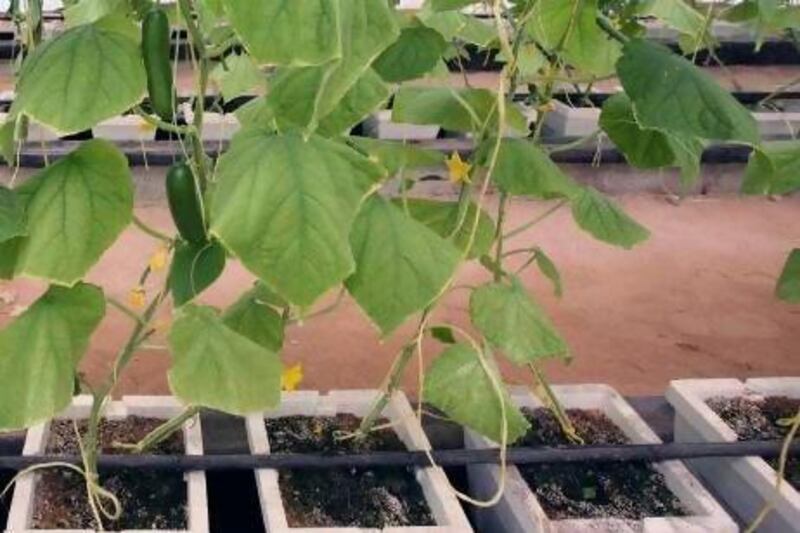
(694, 301)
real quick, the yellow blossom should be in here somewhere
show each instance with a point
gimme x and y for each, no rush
(159, 259)
(146, 127)
(458, 169)
(291, 377)
(137, 298)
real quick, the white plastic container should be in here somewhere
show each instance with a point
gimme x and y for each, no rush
(519, 510)
(745, 483)
(442, 502)
(22, 505)
(380, 126)
(567, 122)
(125, 128)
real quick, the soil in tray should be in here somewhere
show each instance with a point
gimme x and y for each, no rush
(627, 490)
(150, 500)
(756, 418)
(345, 497)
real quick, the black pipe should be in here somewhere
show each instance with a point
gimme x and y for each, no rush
(566, 454)
(165, 152)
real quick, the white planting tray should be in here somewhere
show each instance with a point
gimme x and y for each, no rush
(745, 483)
(380, 126)
(20, 515)
(519, 510)
(442, 502)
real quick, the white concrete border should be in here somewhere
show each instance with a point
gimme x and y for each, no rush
(745, 483)
(380, 126)
(569, 122)
(19, 518)
(442, 502)
(520, 512)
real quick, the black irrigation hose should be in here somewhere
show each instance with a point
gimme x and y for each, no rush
(165, 153)
(567, 454)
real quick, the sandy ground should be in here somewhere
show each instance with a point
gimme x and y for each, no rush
(694, 301)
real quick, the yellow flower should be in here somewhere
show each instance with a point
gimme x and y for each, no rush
(146, 127)
(137, 298)
(159, 259)
(291, 377)
(459, 170)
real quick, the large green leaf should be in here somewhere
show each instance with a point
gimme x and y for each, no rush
(525, 169)
(300, 97)
(368, 28)
(416, 52)
(571, 26)
(288, 32)
(87, 74)
(643, 148)
(368, 93)
(194, 268)
(76, 209)
(284, 206)
(237, 76)
(549, 270)
(88, 11)
(604, 220)
(671, 94)
(449, 222)
(681, 16)
(253, 316)
(457, 383)
(453, 109)
(40, 351)
(788, 287)
(512, 322)
(12, 215)
(214, 366)
(773, 168)
(401, 265)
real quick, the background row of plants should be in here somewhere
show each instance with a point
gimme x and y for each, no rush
(309, 209)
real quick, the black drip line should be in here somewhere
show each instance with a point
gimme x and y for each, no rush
(444, 458)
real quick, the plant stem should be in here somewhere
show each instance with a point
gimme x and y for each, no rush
(151, 231)
(609, 28)
(779, 90)
(574, 144)
(124, 309)
(196, 38)
(782, 460)
(545, 393)
(163, 431)
(501, 215)
(392, 384)
(160, 124)
(530, 224)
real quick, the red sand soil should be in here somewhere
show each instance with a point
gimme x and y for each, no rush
(694, 301)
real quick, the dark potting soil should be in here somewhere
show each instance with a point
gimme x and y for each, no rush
(150, 500)
(756, 418)
(629, 490)
(375, 497)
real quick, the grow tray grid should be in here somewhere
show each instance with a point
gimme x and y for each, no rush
(233, 500)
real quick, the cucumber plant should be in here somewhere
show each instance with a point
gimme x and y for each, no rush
(295, 198)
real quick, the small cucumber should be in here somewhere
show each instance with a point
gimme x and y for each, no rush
(155, 53)
(185, 204)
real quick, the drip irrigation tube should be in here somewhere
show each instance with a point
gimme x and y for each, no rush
(567, 454)
(165, 153)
